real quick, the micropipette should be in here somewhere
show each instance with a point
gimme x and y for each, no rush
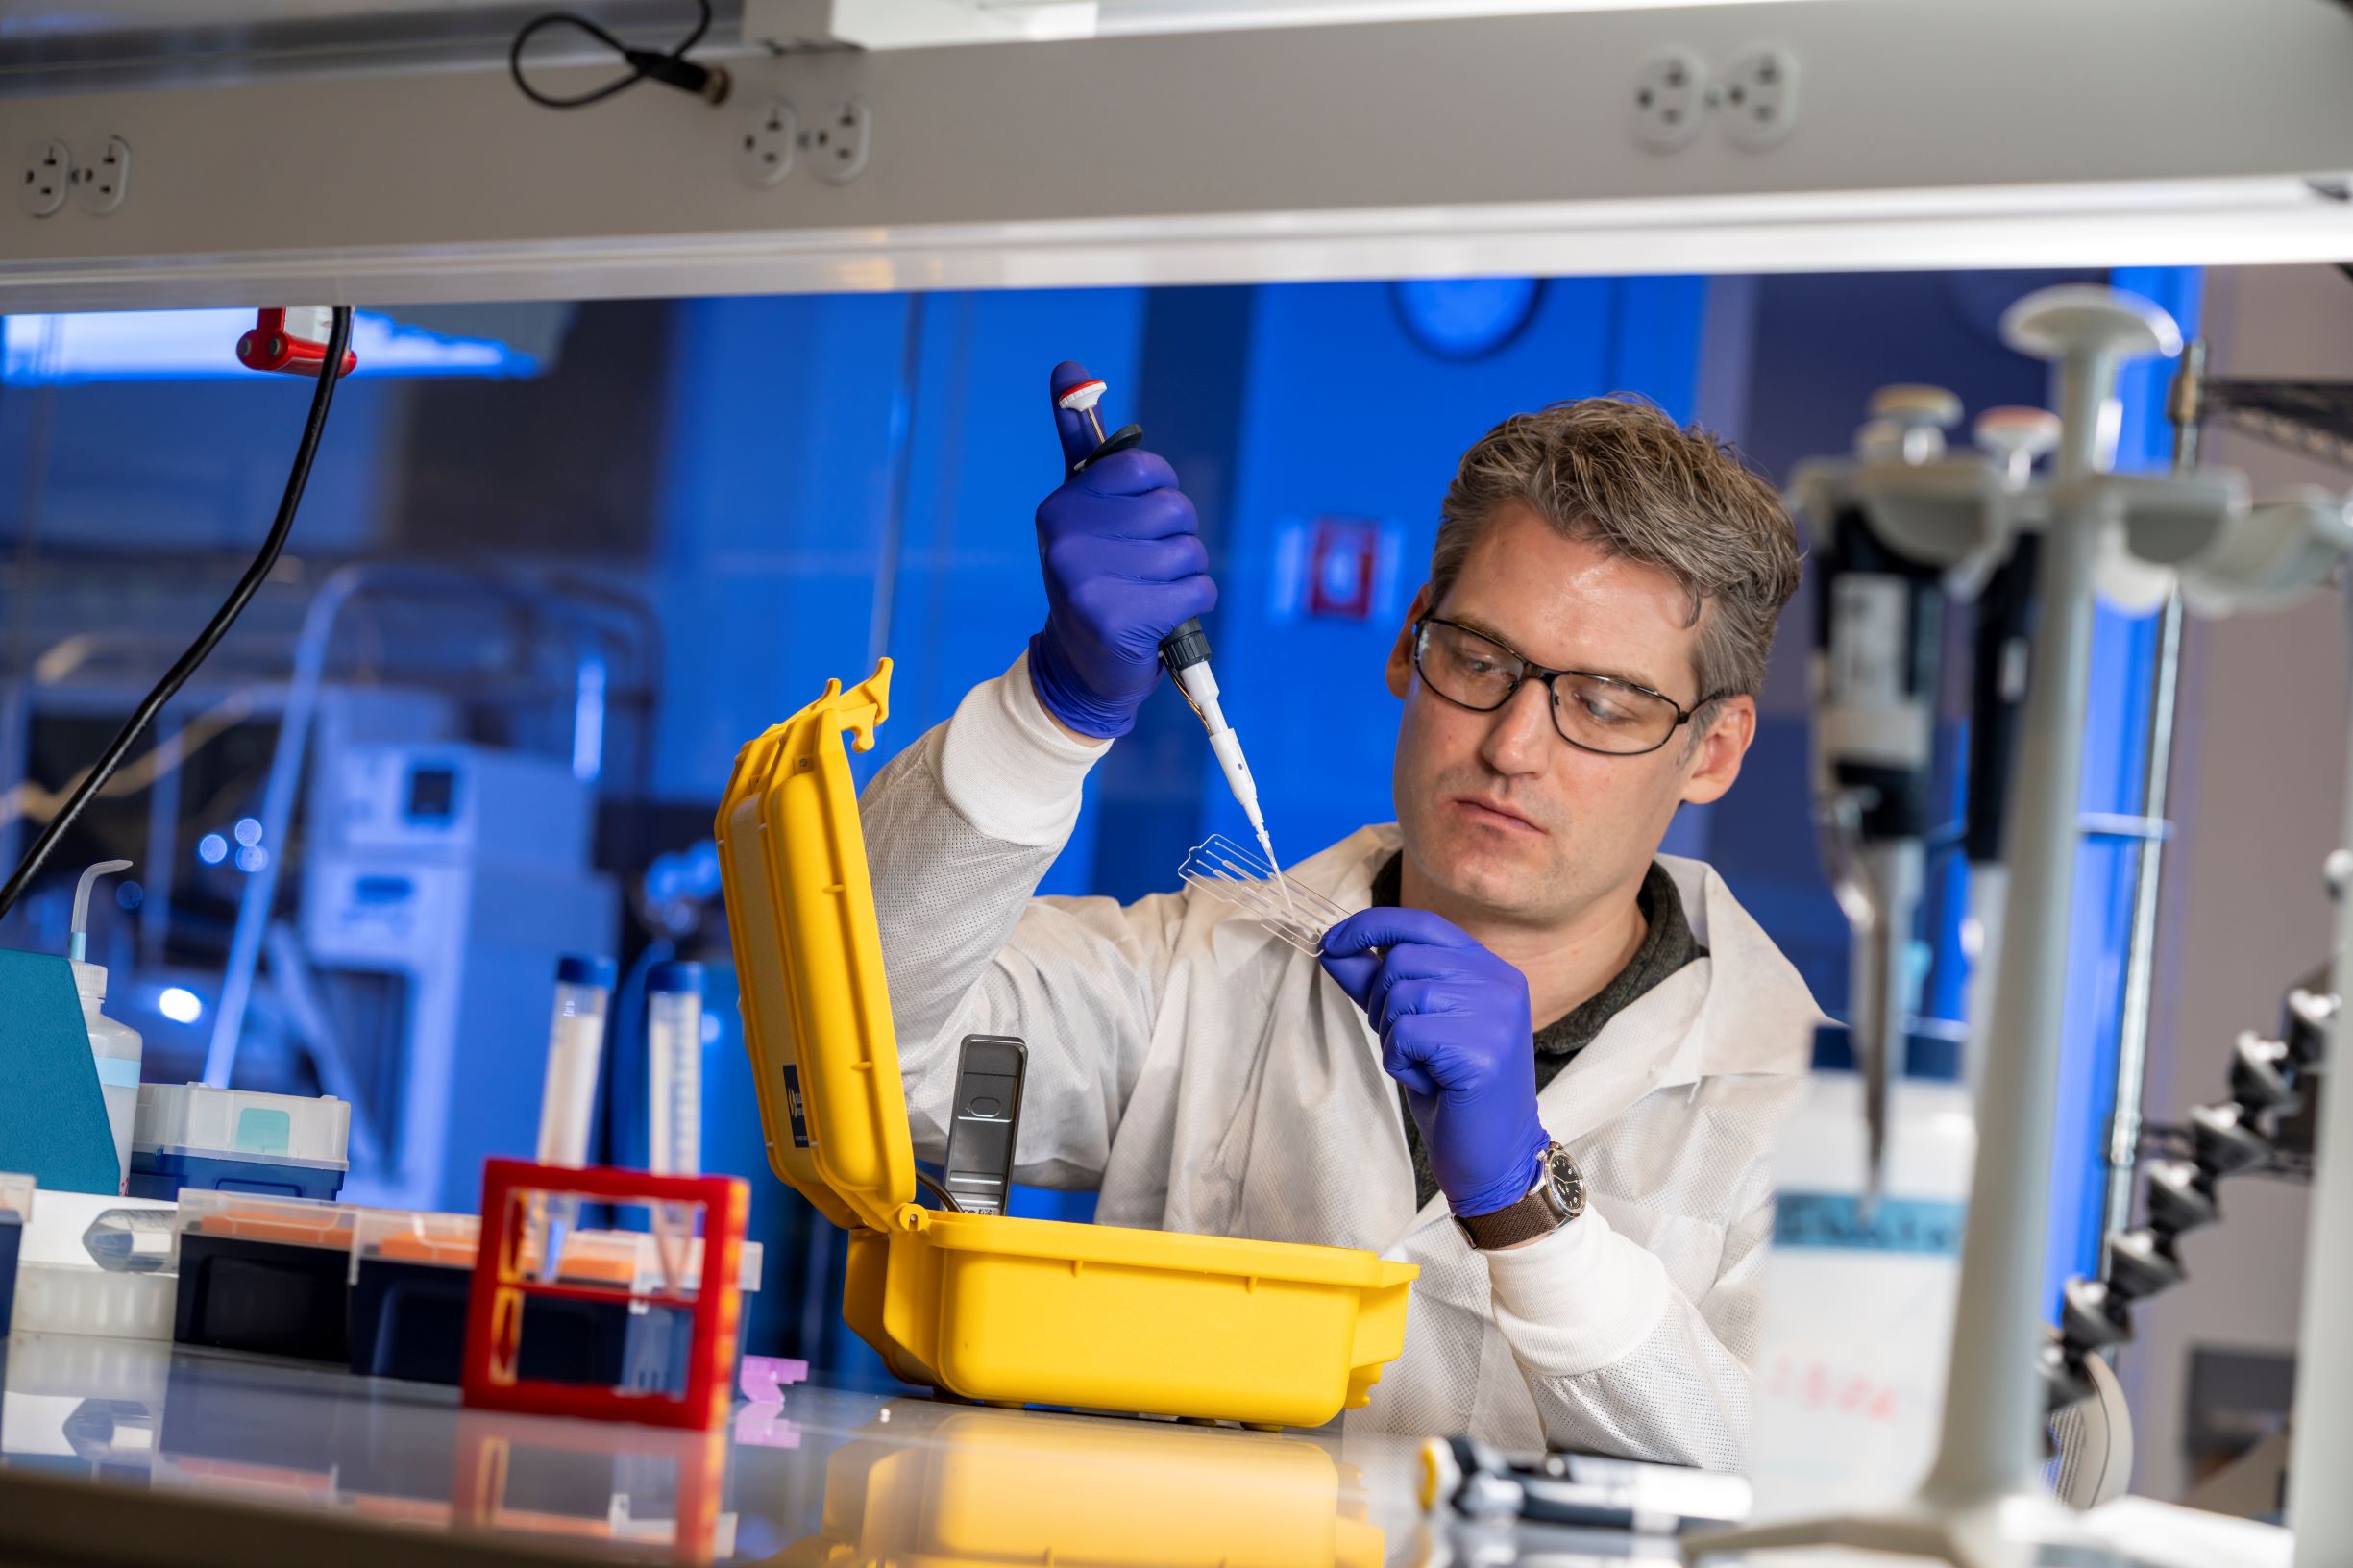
(1186, 651)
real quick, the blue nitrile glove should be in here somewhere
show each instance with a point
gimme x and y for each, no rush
(1453, 1021)
(1124, 567)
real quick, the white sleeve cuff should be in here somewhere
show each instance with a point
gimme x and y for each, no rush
(1007, 768)
(1580, 1299)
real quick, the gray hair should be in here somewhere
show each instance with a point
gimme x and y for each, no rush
(1618, 473)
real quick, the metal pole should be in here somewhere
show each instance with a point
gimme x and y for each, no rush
(1989, 1447)
(2184, 407)
(2319, 1502)
(2141, 956)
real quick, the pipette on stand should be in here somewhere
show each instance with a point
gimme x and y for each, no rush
(1186, 651)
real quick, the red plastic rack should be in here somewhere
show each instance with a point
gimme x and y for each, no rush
(502, 1285)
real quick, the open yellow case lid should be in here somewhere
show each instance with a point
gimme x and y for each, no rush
(808, 955)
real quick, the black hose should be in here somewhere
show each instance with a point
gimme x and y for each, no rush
(339, 339)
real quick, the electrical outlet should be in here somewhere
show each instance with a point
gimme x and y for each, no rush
(1670, 101)
(49, 169)
(839, 141)
(100, 187)
(764, 156)
(1757, 96)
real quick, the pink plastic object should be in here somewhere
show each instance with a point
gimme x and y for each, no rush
(764, 1378)
(761, 1424)
(764, 1425)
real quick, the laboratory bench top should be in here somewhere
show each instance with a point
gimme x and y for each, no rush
(130, 1451)
(188, 1443)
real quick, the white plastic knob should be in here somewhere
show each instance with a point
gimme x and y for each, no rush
(2014, 432)
(1081, 397)
(1917, 407)
(2084, 318)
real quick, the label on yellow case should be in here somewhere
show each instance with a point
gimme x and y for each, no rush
(792, 1107)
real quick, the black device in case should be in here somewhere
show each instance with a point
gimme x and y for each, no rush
(987, 1115)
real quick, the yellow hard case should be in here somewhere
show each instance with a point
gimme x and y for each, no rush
(934, 1487)
(993, 1307)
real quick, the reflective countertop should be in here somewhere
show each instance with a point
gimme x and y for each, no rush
(825, 1477)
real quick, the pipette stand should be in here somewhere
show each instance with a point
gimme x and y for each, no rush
(502, 1283)
(2319, 1504)
(1983, 1504)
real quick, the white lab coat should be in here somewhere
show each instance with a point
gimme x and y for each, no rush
(1209, 1078)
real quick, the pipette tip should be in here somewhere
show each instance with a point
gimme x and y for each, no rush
(1282, 882)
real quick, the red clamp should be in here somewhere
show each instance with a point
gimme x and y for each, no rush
(292, 340)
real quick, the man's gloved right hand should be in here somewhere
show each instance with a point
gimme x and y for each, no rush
(1124, 567)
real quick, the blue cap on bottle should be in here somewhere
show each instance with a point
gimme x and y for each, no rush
(675, 976)
(581, 970)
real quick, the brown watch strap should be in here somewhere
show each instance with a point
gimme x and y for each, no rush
(1537, 1214)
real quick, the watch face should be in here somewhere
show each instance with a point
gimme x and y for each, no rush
(1568, 1182)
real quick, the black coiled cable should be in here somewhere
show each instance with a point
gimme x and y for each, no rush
(339, 339)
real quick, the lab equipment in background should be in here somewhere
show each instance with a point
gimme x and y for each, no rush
(985, 1122)
(1292, 911)
(2002, 585)
(673, 1072)
(132, 1241)
(1859, 1285)
(295, 340)
(16, 1207)
(95, 777)
(86, 1300)
(266, 1275)
(443, 882)
(567, 1100)
(1877, 628)
(924, 1483)
(1186, 651)
(708, 1309)
(1580, 1491)
(63, 1286)
(1982, 1504)
(238, 1140)
(2270, 1076)
(114, 1047)
(2306, 546)
(985, 1307)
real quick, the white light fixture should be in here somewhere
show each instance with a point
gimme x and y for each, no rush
(179, 345)
(180, 1004)
(930, 24)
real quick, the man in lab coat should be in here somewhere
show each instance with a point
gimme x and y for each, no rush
(1543, 1063)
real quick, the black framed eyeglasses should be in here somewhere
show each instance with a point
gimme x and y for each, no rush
(1593, 713)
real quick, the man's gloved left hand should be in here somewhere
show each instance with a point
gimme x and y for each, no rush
(1453, 1021)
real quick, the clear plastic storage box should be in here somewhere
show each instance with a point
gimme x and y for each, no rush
(190, 1136)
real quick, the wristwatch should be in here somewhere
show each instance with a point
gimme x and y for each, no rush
(1558, 1198)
